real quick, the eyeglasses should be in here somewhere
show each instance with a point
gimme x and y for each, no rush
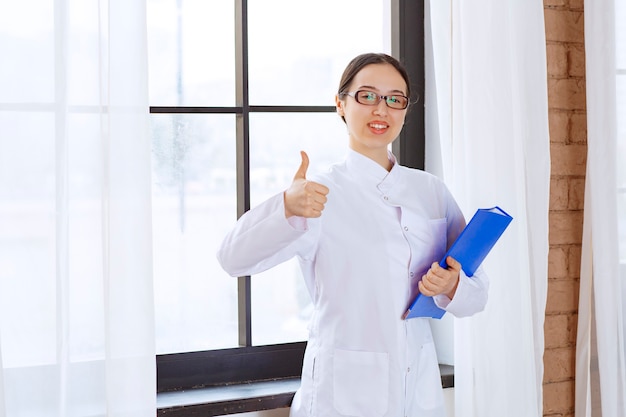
(370, 98)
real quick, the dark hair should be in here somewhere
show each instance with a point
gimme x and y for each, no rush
(363, 60)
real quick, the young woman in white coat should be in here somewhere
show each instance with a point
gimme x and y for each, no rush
(368, 235)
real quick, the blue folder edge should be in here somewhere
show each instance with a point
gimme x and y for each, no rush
(487, 225)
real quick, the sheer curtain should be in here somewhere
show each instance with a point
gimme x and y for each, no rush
(600, 368)
(76, 309)
(487, 129)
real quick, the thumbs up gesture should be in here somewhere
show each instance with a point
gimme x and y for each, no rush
(304, 198)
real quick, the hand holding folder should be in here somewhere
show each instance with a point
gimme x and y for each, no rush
(469, 249)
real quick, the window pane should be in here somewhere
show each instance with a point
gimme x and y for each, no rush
(27, 51)
(194, 206)
(27, 239)
(298, 50)
(191, 52)
(280, 302)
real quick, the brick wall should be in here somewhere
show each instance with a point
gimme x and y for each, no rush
(568, 147)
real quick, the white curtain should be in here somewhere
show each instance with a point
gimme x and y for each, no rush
(76, 309)
(600, 368)
(488, 136)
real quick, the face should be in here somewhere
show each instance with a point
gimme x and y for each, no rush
(372, 128)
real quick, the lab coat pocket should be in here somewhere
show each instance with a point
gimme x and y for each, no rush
(428, 238)
(361, 382)
(438, 231)
(429, 391)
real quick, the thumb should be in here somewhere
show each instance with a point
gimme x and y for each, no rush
(304, 165)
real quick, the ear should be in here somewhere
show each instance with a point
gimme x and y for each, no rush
(339, 104)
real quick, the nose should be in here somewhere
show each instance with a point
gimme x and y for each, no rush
(381, 108)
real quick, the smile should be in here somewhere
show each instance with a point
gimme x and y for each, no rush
(378, 126)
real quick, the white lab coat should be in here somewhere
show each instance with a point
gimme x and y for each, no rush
(378, 234)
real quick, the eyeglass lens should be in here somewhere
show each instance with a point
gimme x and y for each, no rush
(371, 98)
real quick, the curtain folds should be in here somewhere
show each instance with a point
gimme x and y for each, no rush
(76, 299)
(600, 366)
(488, 137)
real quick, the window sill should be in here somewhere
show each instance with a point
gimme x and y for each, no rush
(241, 398)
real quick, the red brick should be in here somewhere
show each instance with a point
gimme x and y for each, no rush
(576, 194)
(565, 228)
(559, 364)
(568, 160)
(559, 189)
(558, 262)
(558, 397)
(573, 328)
(556, 331)
(555, 3)
(578, 128)
(564, 25)
(561, 414)
(559, 122)
(557, 58)
(576, 60)
(562, 296)
(567, 94)
(574, 260)
(578, 5)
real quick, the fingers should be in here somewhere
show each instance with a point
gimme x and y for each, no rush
(304, 166)
(317, 191)
(304, 198)
(440, 280)
(313, 199)
(424, 289)
(453, 263)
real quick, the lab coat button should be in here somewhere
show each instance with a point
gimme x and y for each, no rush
(411, 274)
(406, 228)
(386, 198)
(408, 370)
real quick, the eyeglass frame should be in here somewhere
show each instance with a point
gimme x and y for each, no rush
(380, 97)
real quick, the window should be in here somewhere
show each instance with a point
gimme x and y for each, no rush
(237, 89)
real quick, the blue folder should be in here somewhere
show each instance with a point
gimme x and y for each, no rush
(469, 249)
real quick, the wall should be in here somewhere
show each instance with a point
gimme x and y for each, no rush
(566, 100)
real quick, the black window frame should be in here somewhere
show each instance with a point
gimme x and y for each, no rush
(181, 371)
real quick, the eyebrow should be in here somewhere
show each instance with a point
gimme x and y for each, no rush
(371, 87)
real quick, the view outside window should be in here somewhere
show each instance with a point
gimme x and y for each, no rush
(280, 302)
(297, 51)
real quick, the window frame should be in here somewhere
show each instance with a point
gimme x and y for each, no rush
(246, 363)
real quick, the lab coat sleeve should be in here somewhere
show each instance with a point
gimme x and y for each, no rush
(263, 238)
(470, 296)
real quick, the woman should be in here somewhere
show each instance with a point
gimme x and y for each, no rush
(368, 235)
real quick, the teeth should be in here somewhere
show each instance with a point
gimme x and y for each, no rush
(378, 126)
